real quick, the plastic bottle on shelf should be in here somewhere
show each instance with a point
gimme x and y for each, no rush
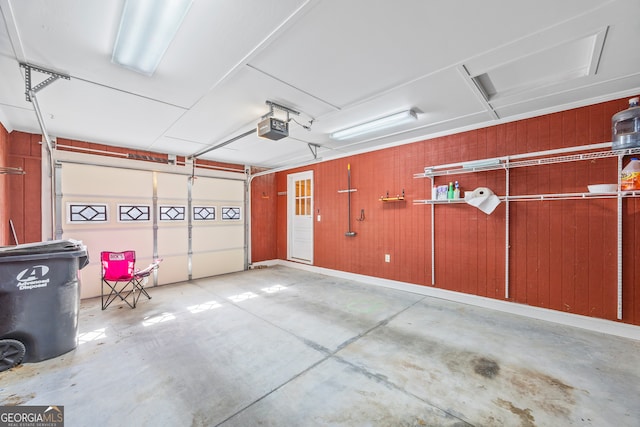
(456, 190)
(450, 191)
(625, 127)
(630, 178)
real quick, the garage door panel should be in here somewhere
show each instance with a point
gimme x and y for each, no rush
(222, 239)
(90, 280)
(90, 179)
(91, 196)
(115, 209)
(217, 238)
(173, 269)
(218, 189)
(105, 237)
(172, 237)
(170, 186)
(172, 241)
(215, 263)
(116, 241)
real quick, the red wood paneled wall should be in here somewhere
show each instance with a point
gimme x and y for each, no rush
(25, 190)
(264, 201)
(562, 253)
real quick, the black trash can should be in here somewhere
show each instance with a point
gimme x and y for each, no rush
(39, 300)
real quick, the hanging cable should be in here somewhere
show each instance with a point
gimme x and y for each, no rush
(307, 127)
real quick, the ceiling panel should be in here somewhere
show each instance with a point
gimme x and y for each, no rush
(365, 47)
(76, 37)
(441, 97)
(339, 63)
(255, 151)
(238, 104)
(84, 111)
(558, 64)
(12, 95)
(571, 97)
(181, 147)
(6, 49)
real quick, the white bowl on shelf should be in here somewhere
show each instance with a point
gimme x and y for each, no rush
(602, 188)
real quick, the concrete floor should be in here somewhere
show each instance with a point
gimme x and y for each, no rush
(283, 347)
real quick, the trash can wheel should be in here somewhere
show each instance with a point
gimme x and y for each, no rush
(11, 353)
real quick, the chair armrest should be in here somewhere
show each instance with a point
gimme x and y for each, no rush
(146, 271)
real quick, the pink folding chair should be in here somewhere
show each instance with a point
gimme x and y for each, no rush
(121, 279)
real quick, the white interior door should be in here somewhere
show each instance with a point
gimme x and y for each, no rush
(300, 217)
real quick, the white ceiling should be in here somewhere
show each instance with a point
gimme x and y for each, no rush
(459, 64)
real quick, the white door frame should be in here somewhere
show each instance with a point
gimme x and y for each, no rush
(300, 238)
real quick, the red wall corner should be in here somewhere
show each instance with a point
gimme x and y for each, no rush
(562, 254)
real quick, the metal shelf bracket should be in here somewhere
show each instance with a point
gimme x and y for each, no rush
(53, 76)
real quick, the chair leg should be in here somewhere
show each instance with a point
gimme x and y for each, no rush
(122, 293)
(144, 291)
(139, 285)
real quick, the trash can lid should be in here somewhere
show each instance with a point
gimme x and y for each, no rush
(48, 247)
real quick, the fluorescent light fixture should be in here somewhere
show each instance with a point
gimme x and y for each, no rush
(146, 30)
(375, 125)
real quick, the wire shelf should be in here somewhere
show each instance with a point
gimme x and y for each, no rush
(513, 162)
(548, 157)
(540, 197)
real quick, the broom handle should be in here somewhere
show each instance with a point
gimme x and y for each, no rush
(13, 231)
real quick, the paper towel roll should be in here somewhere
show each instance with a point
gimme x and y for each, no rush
(483, 199)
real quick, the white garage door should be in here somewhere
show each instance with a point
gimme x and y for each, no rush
(195, 225)
(218, 239)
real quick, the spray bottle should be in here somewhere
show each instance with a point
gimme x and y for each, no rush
(630, 177)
